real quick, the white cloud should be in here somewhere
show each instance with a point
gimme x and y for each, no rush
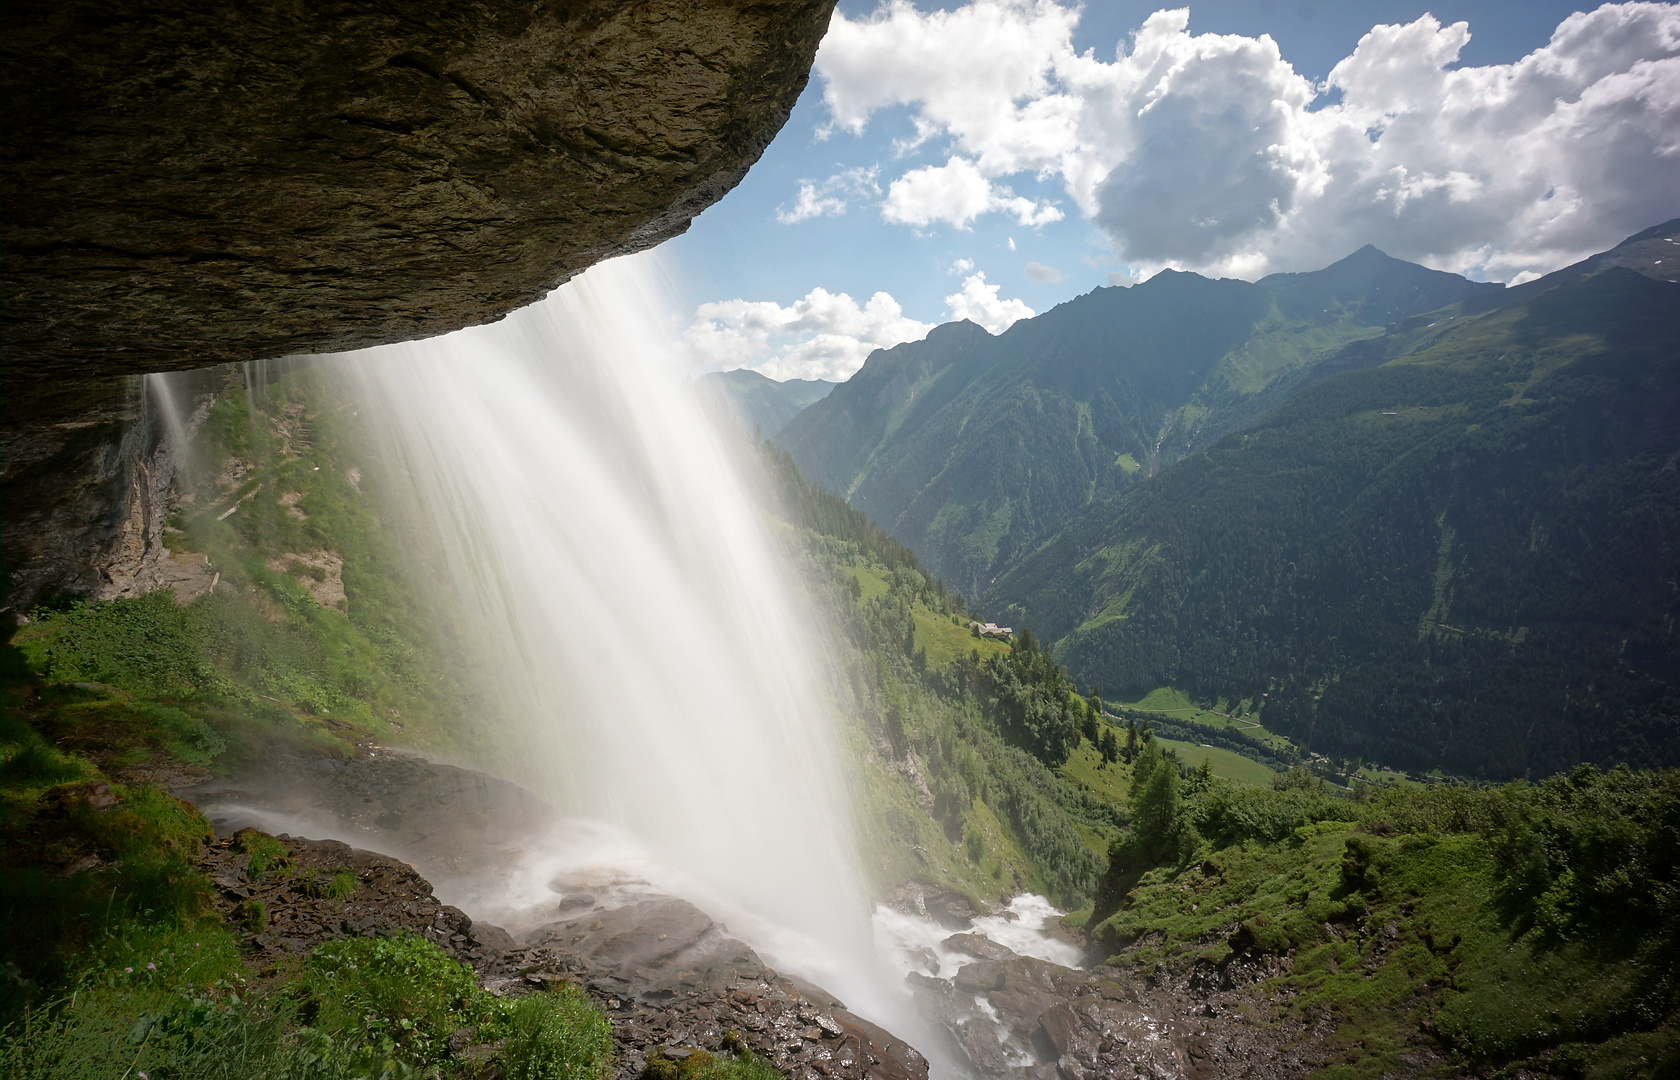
(1210, 152)
(962, 266)
(1039, 272)
(829, 199)
(822, 336)
(978, 302)
(957, 193)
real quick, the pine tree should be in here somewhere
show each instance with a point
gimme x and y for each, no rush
(1157, 806)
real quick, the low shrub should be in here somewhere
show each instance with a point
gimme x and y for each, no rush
(557, 1035)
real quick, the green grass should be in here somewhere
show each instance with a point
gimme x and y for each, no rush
(1240, 716)
(259, 665)
(943, 639)
(700, 1065)
(179, 1005)
(1110, 782)
(1225, 763)
(266, 852)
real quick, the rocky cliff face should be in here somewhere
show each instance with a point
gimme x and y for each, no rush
(87, 479)
(188, 182)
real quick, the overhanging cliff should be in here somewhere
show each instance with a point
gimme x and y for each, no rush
(190, 182)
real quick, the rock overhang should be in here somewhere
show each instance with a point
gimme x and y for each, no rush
(192, 182)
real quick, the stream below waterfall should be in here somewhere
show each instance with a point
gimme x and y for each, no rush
(967, 989)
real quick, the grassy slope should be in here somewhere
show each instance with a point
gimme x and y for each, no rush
(1225, 763)
(1400, 924)
(904, 841)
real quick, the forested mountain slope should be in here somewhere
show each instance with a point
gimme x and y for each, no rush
(973, 448)
(1463, 556)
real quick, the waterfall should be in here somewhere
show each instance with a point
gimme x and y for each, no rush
(640, 645)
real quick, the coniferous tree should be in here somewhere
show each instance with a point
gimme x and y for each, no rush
(1157, 806)
(1110, 747)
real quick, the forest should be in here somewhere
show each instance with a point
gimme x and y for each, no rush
(1458, 559)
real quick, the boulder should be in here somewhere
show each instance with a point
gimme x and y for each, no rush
(978, 946)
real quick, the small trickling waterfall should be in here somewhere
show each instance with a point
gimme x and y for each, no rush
(640, 645)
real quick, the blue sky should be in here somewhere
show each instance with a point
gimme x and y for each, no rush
(992, 158)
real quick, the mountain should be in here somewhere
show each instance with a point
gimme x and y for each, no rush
(1458, 551)
(759, 400)
(973, 448)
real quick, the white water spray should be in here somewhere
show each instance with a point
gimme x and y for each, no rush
(643, 653)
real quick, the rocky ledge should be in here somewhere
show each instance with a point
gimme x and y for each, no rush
(289, 904)
(664, 973)
(188, 182)
(670, 978)
(1020, 1017)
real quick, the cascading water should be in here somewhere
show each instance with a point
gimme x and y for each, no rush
(639, 643)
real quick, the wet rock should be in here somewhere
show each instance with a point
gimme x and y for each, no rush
(950, 909)
(980, 977)
(978, 946)
(488, 941)
(670, 977)
(302, 911)
(449, 822)
(947, 907)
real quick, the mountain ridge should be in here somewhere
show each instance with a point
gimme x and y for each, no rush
(1448, 555)
(973, 448)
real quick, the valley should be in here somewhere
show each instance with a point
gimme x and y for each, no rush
(433, 646)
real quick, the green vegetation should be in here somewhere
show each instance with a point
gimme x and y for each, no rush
(1227, 764)
(113, 953)
(699, 1065)
(1529, 925)
(1453, 557)
(360, 1007)
(301, 637)
(311, 633)
(982, 723)
(974, 449)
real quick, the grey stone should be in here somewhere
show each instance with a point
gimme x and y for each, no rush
(217, 181)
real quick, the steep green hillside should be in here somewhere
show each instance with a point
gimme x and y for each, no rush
(1516, 930)
(1461, 558)
(973, 448)
(961, 741)
(760, 401)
